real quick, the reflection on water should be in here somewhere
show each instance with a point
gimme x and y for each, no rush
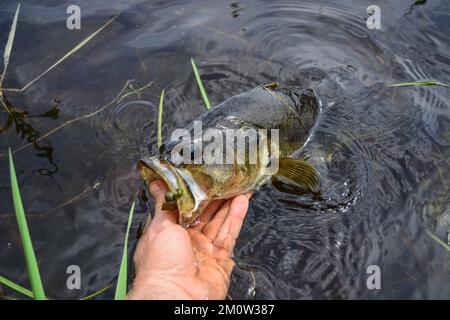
(382, 152)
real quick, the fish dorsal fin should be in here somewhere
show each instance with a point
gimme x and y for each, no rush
(300, 172)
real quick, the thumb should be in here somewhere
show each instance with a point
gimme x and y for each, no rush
(158, 190)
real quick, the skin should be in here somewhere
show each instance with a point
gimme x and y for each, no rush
(173, 262)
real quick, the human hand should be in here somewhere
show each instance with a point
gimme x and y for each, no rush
(173, 262)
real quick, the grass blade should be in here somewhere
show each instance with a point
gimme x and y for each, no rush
(419, 83)
(97, 292)
(16, 287)
(30, 258)
(121, 289)
(200, 85)
(75, 49)
(7, 55)
(161, 100)
(442, 243)
(9, 44)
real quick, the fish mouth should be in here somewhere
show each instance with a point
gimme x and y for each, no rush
(179, 181)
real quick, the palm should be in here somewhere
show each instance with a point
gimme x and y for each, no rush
(196, 262)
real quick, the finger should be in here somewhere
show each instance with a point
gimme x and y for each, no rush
(158, 190)
(213, 226)
(208, 214)
(231, 227)
(154, 187)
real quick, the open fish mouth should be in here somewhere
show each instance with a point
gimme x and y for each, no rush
(185, 194)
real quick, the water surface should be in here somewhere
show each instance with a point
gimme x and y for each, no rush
(383, 153)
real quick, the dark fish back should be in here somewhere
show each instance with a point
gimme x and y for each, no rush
(291, 110)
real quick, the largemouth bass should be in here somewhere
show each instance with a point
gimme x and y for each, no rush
(199, 168)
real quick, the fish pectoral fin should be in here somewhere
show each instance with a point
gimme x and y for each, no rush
(300, 172)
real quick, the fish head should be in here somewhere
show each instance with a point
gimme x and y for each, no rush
(191, 186)
(193, 182)
(184, 194)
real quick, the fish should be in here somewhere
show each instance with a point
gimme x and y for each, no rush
(277, 119)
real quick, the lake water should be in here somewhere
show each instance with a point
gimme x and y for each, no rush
(382, 152)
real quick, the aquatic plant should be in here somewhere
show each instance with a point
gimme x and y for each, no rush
(16, 287)
(37, 291)
(419, 83)
(161, 101)
(439, 241)
(30, 257)
(121, 288)
(200, 85)
(97, 292)
(160, 111)
(34, 276)
(7, 55)
(54, 65)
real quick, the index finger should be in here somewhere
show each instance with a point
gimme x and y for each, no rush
(231, 227)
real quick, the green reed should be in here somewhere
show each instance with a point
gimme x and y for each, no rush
(37, 289)
(160, 111)
(200, 85)
(30, 257)
(121, 288)
(419, 83)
